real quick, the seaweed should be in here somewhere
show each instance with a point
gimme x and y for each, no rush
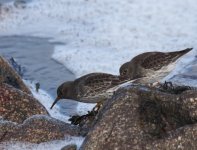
(20, 70)
(78, 120)
(168, 87)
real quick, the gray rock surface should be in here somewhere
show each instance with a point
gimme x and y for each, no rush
(139, 117)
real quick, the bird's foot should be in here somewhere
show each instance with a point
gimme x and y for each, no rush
(155, 84)
(97, 107)
(37, 86)
(167, 85)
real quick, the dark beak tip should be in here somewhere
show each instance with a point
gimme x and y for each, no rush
(190, 48)
(51, 107)
(56, 100)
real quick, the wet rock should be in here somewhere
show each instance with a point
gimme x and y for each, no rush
(182, 138)
(152, 109)
(138, 116)
(117, 124)
(17, 106)
(69, 147)
(5, 127)
(9, 75)
(37, 129)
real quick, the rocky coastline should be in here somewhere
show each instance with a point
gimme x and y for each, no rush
(136, 117)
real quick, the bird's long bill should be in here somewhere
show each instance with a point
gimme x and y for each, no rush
(56, 100)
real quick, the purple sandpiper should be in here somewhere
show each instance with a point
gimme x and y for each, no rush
(151, 67)
(91, 88)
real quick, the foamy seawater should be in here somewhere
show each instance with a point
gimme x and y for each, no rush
(100, 35)
(46, 100)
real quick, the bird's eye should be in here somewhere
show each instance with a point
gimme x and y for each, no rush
(124, 72)
(59, 93)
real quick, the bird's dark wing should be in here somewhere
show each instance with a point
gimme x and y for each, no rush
(157, 60)
(97, 83)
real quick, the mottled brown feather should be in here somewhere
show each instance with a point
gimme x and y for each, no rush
(157, 60)
(96, 83)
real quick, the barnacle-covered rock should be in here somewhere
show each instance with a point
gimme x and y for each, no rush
(182, 138)
(5, 127)
(139, 117)
(17, 106)
(36, 129)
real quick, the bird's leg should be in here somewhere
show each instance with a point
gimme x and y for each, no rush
(37, 86)
(98, 106)
(168, 85)
(155, 84)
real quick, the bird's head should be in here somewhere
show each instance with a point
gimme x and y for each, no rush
(63, 92)
(124, 70)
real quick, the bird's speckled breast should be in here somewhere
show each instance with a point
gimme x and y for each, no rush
(155, 76)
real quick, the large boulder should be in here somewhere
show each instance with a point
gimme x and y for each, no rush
(10, 76)
(36, 129)
(17, 106)
(139, 117)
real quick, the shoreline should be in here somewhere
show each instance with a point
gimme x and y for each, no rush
(34, 54)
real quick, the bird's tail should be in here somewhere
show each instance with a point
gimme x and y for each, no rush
(175, 55)
(183, 52)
